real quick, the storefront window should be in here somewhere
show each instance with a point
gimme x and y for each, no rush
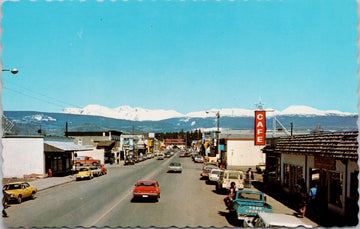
(286, 175)
(293, 174)
(336, 188)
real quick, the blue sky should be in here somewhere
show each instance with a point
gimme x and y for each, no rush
(180, 55)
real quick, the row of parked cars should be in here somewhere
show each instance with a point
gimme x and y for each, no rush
(18, 191)
(132, 159)
(248, 206)
(89, 172)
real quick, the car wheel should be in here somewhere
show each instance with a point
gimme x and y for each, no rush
(157, 198)
(33, 195)
(19, 199)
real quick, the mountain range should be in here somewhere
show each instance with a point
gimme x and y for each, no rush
(135, 120)
(141, 114)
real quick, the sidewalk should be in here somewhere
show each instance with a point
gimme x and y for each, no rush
(279, 207)
(49, 182)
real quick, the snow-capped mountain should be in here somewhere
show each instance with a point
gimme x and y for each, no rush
(141, 114)
(125, 112)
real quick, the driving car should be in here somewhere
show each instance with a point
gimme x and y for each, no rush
(160, 156)
(175, 167)
(84, 173)
(18, 191)
(147, 189)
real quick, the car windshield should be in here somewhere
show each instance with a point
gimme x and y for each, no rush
(233, 176)
(215, 172)
(175, 164)
(249, 196)
(12, 186)
(146, 184)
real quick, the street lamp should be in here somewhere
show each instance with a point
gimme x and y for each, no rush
(218, 128)
(13, 71)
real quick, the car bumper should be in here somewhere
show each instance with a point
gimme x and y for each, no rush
(82, 177)
(174, 169)
(145, 195)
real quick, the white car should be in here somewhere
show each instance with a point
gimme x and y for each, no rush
(175, 167)
(160, 156)
(199, 159)
(264, 219)
(214, 175)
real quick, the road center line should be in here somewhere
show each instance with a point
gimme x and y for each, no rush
(129, 192)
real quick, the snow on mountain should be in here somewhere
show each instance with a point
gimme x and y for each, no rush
(305, 110)
(124, 112)
(37, 118)
(141, 114)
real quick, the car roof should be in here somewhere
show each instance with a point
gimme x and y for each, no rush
(17, 182)
(282, 220)
(148, 181)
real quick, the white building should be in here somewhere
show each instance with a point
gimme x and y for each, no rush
(23, 155)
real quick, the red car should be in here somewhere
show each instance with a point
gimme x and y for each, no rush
(147, 189)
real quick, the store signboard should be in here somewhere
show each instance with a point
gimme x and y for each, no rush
(260, 127)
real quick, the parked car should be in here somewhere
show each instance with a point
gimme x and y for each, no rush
(147, 189)
(182, 154)
(264, 219)
(206, 170)
(260, 168)
(84, 173)
(215, 174)
(175, 167)
(160, 156)
(198, 159)
(17, 191)
(85, 160)
(247, 204)
(103, 169)
(96, 171)
(227, 178)
(129, 160)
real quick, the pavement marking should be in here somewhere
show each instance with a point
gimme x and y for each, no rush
(129, 192)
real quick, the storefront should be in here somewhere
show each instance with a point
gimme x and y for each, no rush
(328, 161)
(58, 156)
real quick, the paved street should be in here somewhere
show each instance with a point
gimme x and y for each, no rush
(107, 201)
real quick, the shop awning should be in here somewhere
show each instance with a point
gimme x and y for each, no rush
(61, 146)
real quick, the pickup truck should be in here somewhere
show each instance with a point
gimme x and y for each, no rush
(85, 160)
(247, 204)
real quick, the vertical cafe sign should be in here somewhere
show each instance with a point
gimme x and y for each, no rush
(260, 127)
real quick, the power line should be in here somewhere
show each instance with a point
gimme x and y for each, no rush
(46, 96)
(55, 102)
